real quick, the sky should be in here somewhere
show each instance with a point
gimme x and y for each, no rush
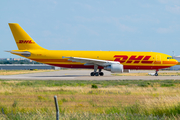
(106, 25)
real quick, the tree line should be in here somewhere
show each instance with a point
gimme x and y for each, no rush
(18, 62)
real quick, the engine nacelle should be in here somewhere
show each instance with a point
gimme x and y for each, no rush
(114, 68)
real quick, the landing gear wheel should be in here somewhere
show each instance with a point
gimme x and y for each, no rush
(92, 74)
(96, 74)
(156, 74)
(101, 73)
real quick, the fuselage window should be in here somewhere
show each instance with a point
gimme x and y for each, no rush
(169, 58)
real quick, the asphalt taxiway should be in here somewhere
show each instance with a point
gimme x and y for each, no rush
(84, 75)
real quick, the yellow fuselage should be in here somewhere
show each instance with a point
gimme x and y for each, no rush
(130, 60)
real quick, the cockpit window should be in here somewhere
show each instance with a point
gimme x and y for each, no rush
(169, 58)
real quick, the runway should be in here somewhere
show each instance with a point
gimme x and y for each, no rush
(83, 75)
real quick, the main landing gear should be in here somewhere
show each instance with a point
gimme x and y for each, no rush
(156, 73)
(95, 73)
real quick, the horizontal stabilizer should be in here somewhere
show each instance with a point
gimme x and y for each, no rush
(25, 53)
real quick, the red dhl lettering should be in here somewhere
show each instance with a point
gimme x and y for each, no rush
(133, 59)
(26, 41)
(121, 58)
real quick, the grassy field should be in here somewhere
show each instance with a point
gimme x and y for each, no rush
(117, 99)
(14, 72)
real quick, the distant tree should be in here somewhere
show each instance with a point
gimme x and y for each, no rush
(7, 62)
(17, 62)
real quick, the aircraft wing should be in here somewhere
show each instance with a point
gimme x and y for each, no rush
(89, 61)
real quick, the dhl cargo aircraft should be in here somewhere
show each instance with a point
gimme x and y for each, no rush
(114, 61)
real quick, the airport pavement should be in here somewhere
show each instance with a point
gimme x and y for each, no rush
(84, 75)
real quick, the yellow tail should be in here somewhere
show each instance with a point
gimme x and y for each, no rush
(23, 40)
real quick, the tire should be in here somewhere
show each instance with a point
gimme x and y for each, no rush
(96, 74)
(92, 74)
(101, 73)
(156, 74)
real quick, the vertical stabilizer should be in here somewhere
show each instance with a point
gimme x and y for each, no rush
(23, 40)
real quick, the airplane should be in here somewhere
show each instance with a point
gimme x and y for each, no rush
(113, 61)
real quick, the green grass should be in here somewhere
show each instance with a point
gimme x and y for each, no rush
(79, 116)
(102, 83)
(118, 99)
(131, 112)
(94, 86)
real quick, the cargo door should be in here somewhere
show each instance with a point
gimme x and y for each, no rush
(158, 59)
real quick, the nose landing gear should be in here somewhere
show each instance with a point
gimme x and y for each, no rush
(156, 73)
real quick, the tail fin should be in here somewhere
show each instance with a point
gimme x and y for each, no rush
(23, 40)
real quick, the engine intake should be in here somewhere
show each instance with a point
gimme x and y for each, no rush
(114, 68)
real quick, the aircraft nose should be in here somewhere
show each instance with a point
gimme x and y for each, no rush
(176, 62)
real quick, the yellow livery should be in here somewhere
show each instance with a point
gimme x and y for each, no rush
(114, 61)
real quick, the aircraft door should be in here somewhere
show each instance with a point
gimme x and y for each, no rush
(158, 59)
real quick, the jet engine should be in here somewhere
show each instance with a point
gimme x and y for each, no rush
(114, 68)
